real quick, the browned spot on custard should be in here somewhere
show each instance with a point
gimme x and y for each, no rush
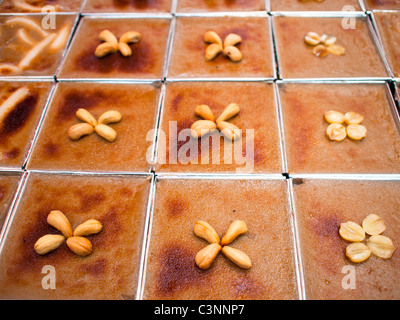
(246, 288)
(88, 201)
(138, 4)
(75, 99)
(16, 119)
(52, 149)
(176, 207)
(3, 190)
(177, 270)
(175, 104)
(13, 153)
(141, 60)
(96, 268)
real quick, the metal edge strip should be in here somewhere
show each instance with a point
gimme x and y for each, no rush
(346, 176)
(38, 126)
(374, 31)
(146, 239)
(12, 209)
(281, 128)
(299, 268)
(218, 176)
(169, 47)
(319, 14)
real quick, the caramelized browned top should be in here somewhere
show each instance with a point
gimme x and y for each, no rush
(171, 270)
(118, 202)
(146, 61)
(128, 6)
(322, 205)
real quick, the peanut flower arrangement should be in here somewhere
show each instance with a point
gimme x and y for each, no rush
(111, 44)
(228, 48)
(76, 240)
(90, 125)
(209, 124)
(207, 255)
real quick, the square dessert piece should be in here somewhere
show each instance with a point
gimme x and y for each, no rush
(21, 107)
(321, 206)
(219, 5)
(297, 59)
(33, 45)
(308, 148)
(109, 272)
(188, 54)
(382, 4)
(127, 6)
(256, 150)
(147, 56)
(8, 187)
(172, 272)
(57, 150)
(388, 24)
(312, 5)
(38, 5)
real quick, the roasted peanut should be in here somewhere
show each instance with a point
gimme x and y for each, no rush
(86, 116)
(59, 221)
(80, 245)
(312, 38)
(108, 36)
(105, 49)
(212, 37)
(336, 132)
(204, 111)
(212, 51)
(229, 112)
(353, 118)
(235, 229)
(332, 116)
(356, 131)
(201, 128)
(130, 37)
(106, 132)
(229, 130)
(373, 224)
(204, 230)
(357, 252)
(233, 53)
(111, 116)
(87, 228)
(79, 130)
(125, 49)
(48, 243)
(207, 255)
(351, 231)
(237, 256)
(232, 39)
(381, 246)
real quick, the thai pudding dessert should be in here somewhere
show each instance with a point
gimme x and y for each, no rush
(29, 49)
(325, 49)
(197, 37)
(89, 229)
(223, 253)
(97, 127)
(21, 106)
(118, 48)
(349, 247)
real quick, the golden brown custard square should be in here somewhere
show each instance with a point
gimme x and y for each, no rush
(312, 5)
(259, 145)
(37, 5)
(19, 124)
(33, 45)
(262, 204)
(382, 4)
(188, 54)
(220, 5)
(321, 206)
(110, 272)
(388, 24)
(296, 58)
(308, 148)
(125, 6)
(8, 187)
(138, 105)
(147, 59)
